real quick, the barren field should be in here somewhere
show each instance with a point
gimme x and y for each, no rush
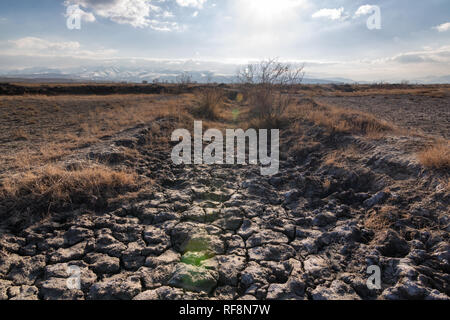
(86, 182)
(38, 127)
(428, 115)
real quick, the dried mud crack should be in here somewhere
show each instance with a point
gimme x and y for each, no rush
(226, 232)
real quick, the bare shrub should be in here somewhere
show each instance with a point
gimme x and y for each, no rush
(266, 85)
(183, 81)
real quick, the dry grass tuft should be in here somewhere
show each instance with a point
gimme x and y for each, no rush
(277, 122)
(334, 159)
(54, 188)
(436, 156)
(268, 106)
(341, 120)
(210, 102)
(432, 91)
(380, 220)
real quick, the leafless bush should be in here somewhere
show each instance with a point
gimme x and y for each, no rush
(183, 80)
(267, 85)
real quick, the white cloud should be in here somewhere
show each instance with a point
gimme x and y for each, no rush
(133, 12)
(191, 3)
(443, 27)
(33, 46)
(411, 65)
(32, 43)
(332, 14)
(439, 55)
(85, 16)
(364, 10)
(268, 12)
(137, 13)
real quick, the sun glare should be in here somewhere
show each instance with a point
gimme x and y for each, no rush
(270, 9)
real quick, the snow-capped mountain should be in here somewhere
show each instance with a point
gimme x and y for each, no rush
(163, 72)
(119, 74)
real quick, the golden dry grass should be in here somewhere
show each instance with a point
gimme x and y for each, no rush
(34, 180)
(52, 187)
(341, 120)
(446, 185)
(42, 129)
(267, 107)
(336, 159)
(436, 156)
(432, 91)
(327, 184)
(210, 103)
(379, 220)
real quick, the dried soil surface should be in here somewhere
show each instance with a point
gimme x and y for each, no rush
(413, 112)
(226, 232)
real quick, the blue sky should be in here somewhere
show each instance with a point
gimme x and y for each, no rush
(331, 37)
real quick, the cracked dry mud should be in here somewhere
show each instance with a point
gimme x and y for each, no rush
(226, 232)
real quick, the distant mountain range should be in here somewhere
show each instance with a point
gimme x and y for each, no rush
(163, 73)
(442, 79)
(130, 75)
